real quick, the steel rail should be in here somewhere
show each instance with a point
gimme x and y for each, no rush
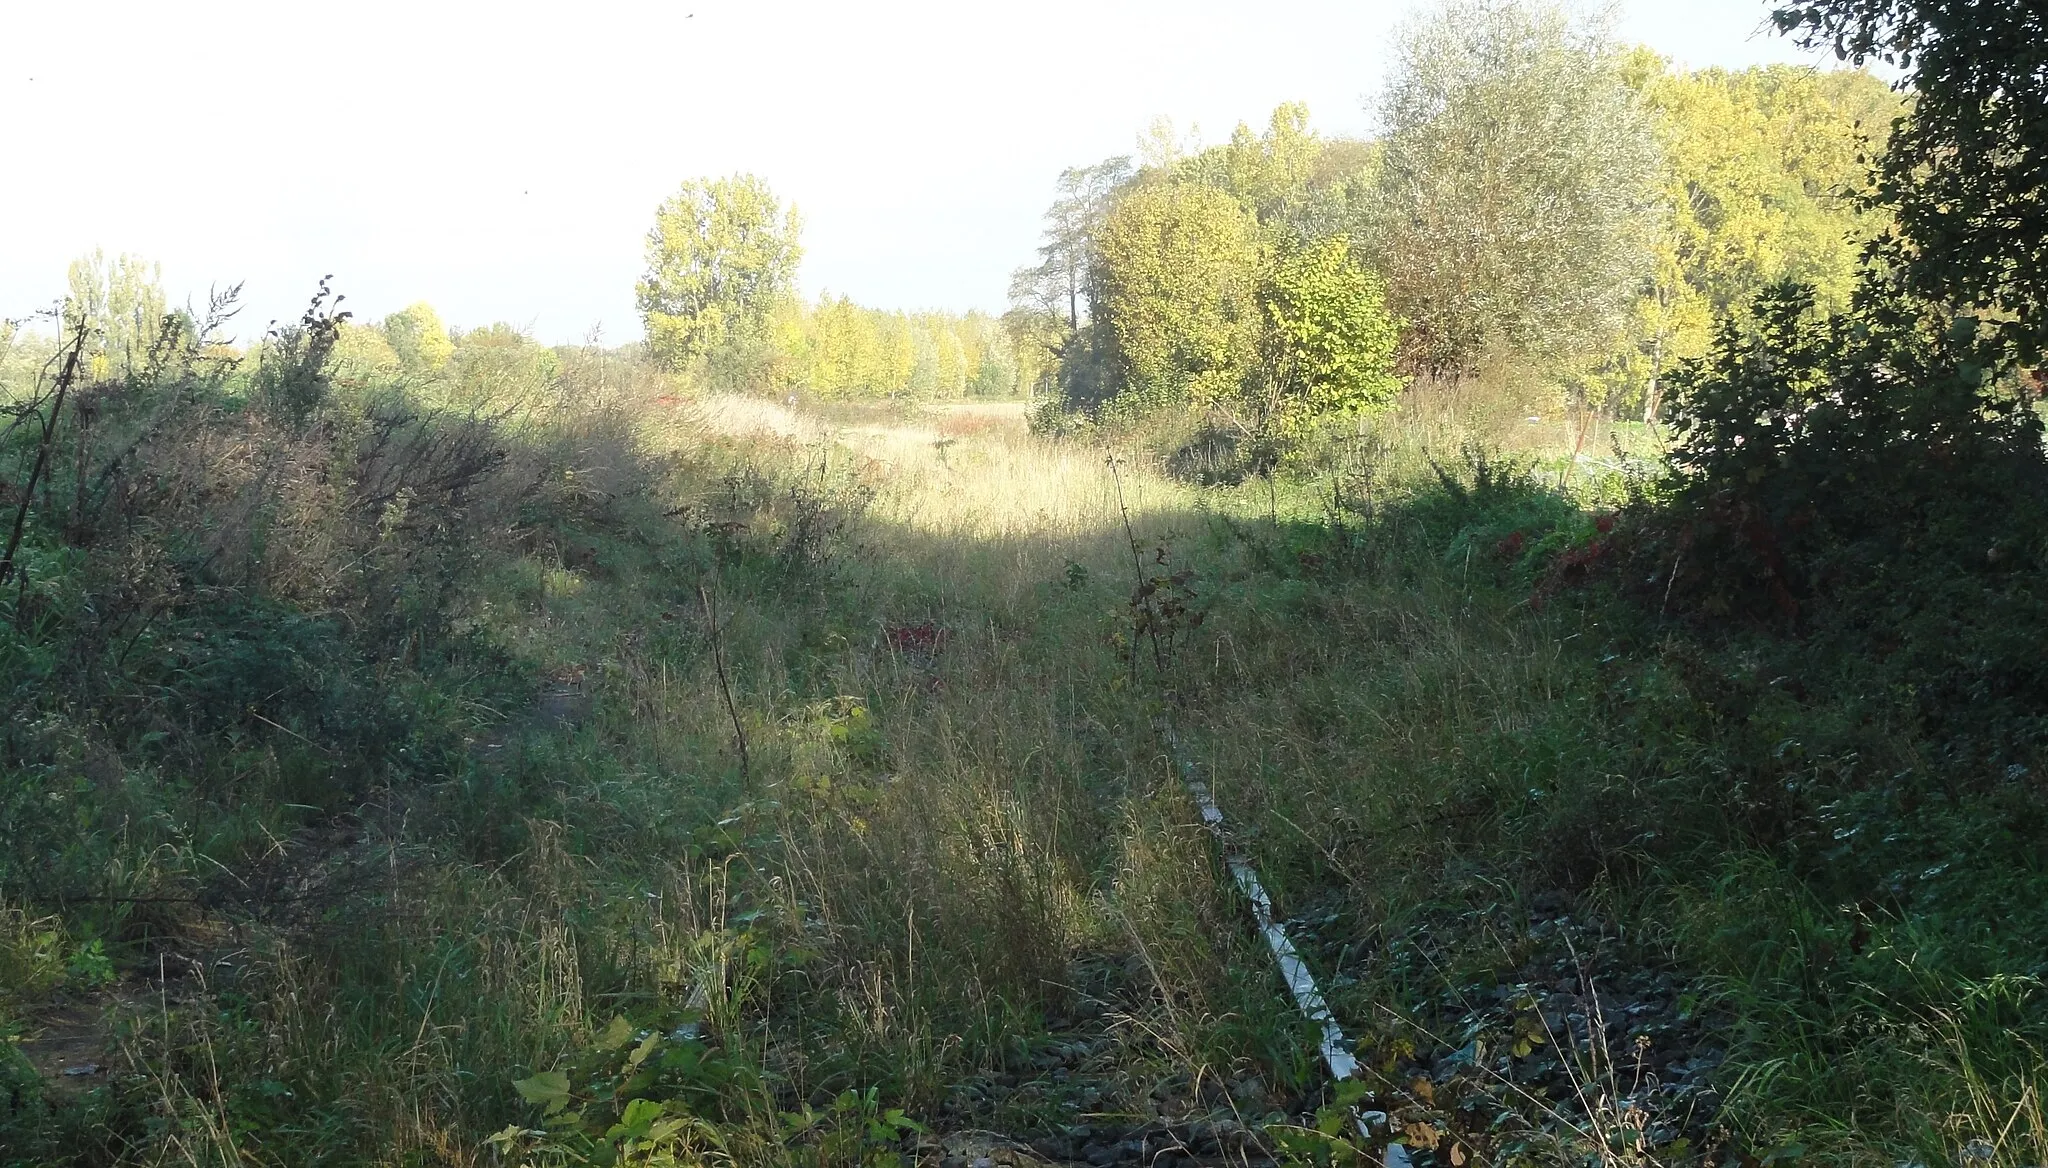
(1301, 983)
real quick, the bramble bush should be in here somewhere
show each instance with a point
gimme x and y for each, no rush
(1821, 455)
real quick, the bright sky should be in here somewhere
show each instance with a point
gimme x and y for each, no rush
(503, 160)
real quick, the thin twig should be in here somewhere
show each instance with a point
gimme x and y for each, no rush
(43, 449)
(1137, 570)
(732, 709)
(281, 726)
(1123, 508)
(1672, 582)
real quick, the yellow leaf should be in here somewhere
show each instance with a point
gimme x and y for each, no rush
(645, 1048)
(616, 1035)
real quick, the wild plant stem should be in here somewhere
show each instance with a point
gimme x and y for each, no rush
(732, 709)
(43, 450)
(1137, 565)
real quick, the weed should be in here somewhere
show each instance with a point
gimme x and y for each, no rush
(386, 790)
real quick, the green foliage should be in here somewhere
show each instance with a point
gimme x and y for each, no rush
(854, 1129)
(1301, 187)
(840, 350)
(1832, 837)
(635, 1096)
(1052, 317)
(1541, 200)
(1831, 431)
(122, 303)
(1853, 524)
(1514, 209)
(293, 372)
(955, 889)
(419, 339)
(1335, 338)
(1178, 289)
(89, 967)
(499, 367)
(664, 1096)
(1058, 288)
(1761, 168)
(1872, 480)
(1211, 293)
(1962, 173)
(722, 255)
(718, 301)
(1333, 1140)
(36, 956)
(286, 795)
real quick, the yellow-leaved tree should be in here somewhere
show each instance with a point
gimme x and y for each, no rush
(1178, 282)
(1761, 171)
(420, 340)
(721, 256)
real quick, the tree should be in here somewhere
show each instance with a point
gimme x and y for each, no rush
(1761, 170)
(1516, 201)
(122, 302)
(1176, 283)
(1051, 312)
(1219, 281)
(1963, 172)
(501, 364)
(363, 354)
(419, 338)
(1269, 173)
(1889, 457)
(1301, 186)
(1056, 287)
(722, 253)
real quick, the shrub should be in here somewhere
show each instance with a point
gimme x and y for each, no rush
(1823, 456)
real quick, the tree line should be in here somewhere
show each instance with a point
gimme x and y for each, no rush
(1542, 200)
(718, 302)
(720, 306)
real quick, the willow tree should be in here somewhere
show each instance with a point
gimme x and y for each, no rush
(721, 255)
(1517, 193)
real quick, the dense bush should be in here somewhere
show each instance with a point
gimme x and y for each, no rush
(1822, 457)
(231, 579)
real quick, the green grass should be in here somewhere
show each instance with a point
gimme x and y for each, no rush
(957, 869)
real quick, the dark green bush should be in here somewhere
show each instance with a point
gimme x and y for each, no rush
(1827, 460)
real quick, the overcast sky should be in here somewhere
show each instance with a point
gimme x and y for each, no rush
(503, 160)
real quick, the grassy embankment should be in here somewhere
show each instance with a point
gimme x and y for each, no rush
(824, 756)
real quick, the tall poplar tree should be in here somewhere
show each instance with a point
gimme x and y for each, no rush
(123, 303)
